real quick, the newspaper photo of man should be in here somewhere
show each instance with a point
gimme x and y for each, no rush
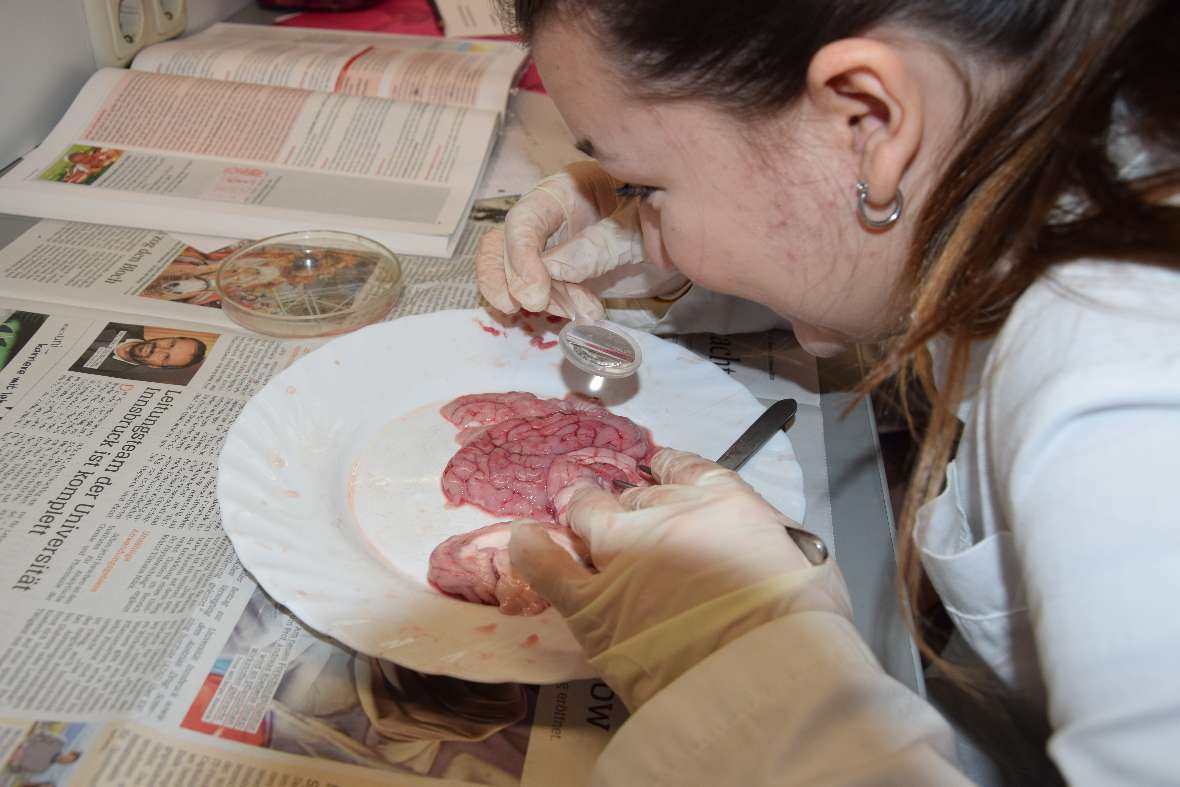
(151, 354)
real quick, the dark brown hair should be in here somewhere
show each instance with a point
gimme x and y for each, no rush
(1090, 71)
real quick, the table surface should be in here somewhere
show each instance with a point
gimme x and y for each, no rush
(861, 512)
(861, 515)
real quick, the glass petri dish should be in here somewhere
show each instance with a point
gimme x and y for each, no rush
(309, 283)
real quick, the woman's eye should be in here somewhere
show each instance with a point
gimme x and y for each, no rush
(632, 190)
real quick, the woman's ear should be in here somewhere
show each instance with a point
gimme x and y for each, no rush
(866, 86)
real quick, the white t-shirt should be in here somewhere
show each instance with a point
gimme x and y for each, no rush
(1055, 548)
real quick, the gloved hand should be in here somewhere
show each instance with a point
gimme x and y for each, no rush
(684, 568)
(570, 228)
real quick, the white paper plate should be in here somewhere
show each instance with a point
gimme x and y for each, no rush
(330, 483)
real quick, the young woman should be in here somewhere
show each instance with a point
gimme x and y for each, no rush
(987, 185)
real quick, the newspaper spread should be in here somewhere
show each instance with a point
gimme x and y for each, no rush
(134, 649)
(253, 131)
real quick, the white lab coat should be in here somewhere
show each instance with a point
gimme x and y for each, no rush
(1055, 548)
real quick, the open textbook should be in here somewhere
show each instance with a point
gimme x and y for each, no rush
(247, 131)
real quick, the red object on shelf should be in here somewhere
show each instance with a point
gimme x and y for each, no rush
(317, 5)
(412, 17)
(407, 17)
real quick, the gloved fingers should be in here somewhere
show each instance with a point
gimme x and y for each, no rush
(528, 281)
(574, 301)
(569, 500)
(489, 271)
(529, 225)
(644, 497)
(639, 280)
(546, 566)
(598, 248)
(831, 590)
(670, 466)
(595, 187)
(591, 512)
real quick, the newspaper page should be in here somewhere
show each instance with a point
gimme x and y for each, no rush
(111, 544)
(245, 160)
(135, 650)
(124, 269)
(384, 65)
(117, 577)
(153, 274)
(124, 600)
(150, 273)
(57, 754)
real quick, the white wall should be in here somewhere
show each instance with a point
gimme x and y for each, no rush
(45, 57)
(202, 13)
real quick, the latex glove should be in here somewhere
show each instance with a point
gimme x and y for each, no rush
(684, 568)
(569, 229)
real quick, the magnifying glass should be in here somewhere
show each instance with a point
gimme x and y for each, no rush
(600, 348)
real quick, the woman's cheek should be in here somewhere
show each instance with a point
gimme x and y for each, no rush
(674, 245)
(682, 249)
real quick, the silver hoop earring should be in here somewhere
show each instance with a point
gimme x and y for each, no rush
(862, 208)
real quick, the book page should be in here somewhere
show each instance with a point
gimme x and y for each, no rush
(324, 132)
(244, 160)
(466, 18)
(405, 68)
